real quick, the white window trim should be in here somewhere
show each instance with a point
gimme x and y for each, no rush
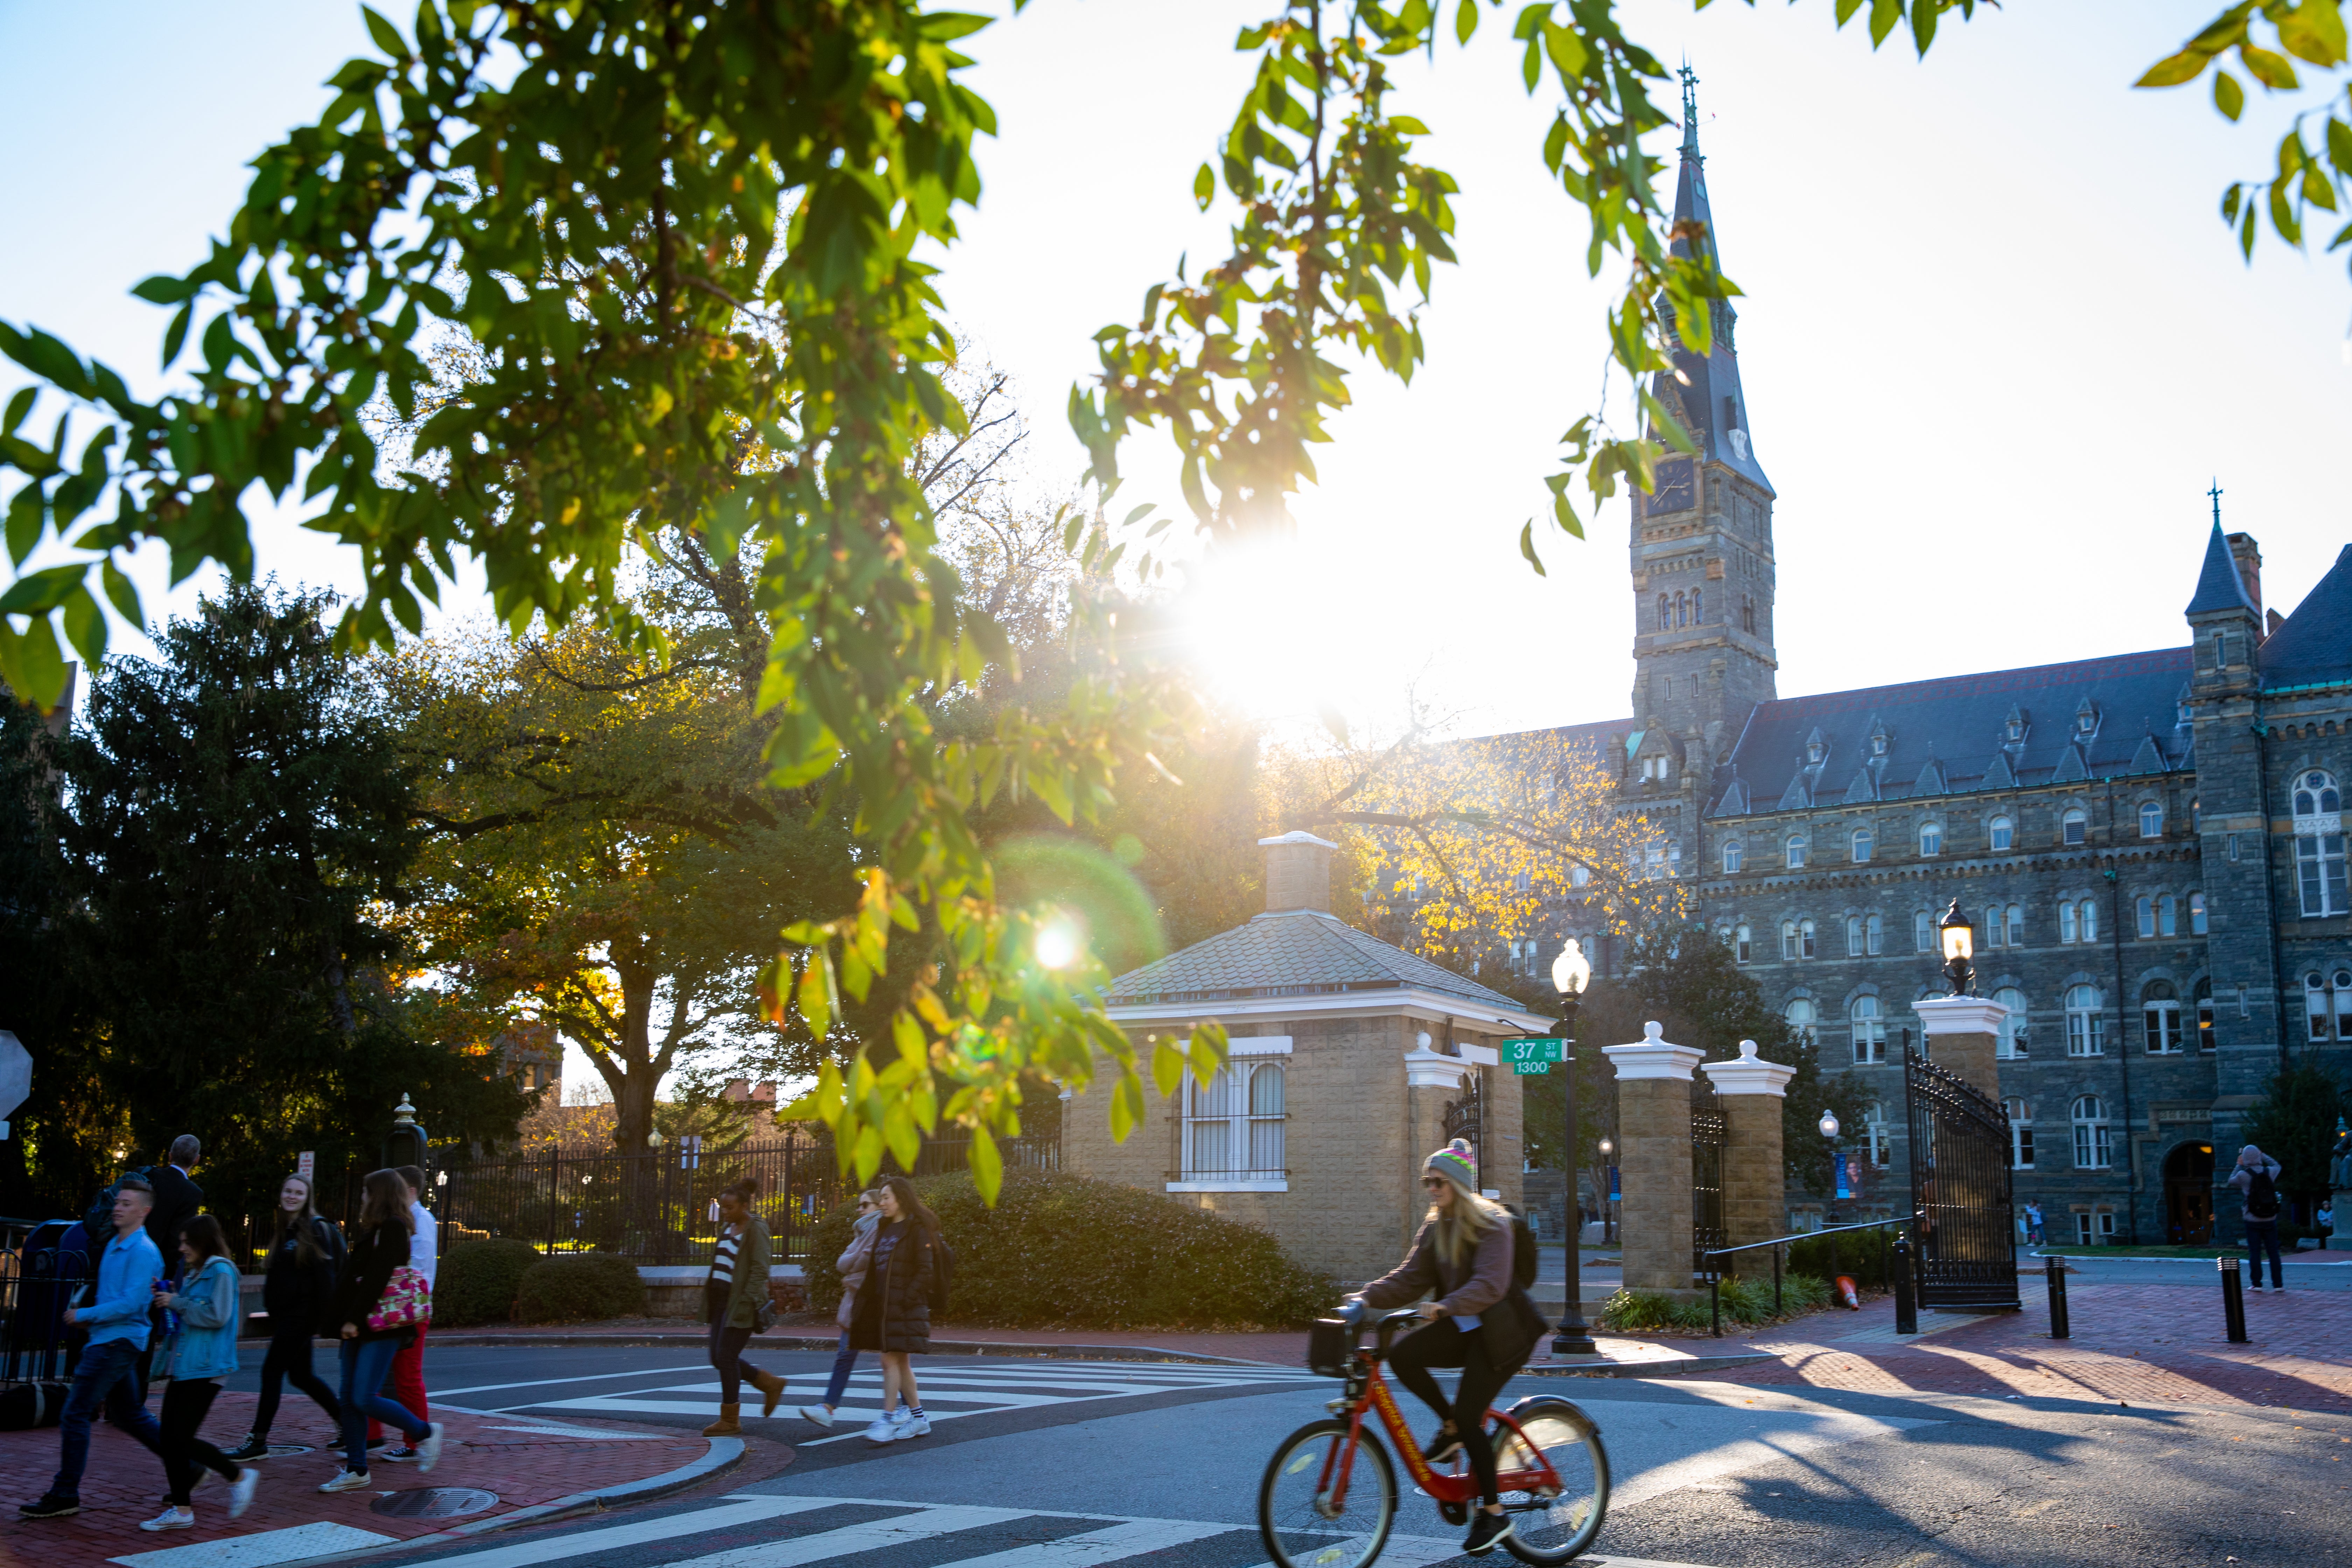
(1262, 1185)
(1252, 1046)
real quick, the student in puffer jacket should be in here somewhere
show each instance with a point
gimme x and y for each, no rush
(201, 1351)
(855, 1259)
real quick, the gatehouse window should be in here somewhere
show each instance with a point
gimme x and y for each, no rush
(2196, 914)
(1788, 939)
(1681, 611)
(2168, 915)
(1803, 1017)
(2011, 1043)
(1578, 877)
(1746, 614)
(1733, 853)
(1233, 1124)
(2159, 1011)
(2092, 1147)
(2074, 826)
(1796, 850)
(1992, 926)
(2316, 794)
(2085, 1024)
(1698, 605)
(2089, 909)
(2016, 925)
(2319, 843)
(1861, 843)
(1875, 1133)
(1869, 1032)
(1805, 938)
(1931, 839)
(2151, 820)
(2020, 1134)
(2002, 833)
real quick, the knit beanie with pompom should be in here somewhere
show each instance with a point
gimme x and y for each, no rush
(1457, 1165)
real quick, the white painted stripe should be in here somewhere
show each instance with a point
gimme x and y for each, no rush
(260, 1549)
(588, 1542)
(589, 1377)
(878, 1536)
(1098, 1546)
(1413, 1552)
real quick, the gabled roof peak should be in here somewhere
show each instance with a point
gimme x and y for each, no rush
(2218, 586)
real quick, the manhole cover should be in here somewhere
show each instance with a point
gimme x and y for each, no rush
(436, 1502)
(289, 1450)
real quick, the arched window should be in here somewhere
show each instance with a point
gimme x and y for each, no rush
(1796, 850)
(2074, 826)
(2085, 1026)
(1805, 938)
(2091, 1144)
(1874, 936)
(2020, 1134)
(1746, 614)
(2159, 1013)
(1854, 936)
(2090, 912)
(1931, 839)
(2319, 843)
(1733, 853)
(1869, 1032)
(1861, 843)
(1698, 605)
(2011, 1039)
(1743, 944)
(1992, 927)
(1788, 948)
(2002, 833)
(2168, 915)
(1578, 877)
(2329, 997)
(1234, 1124)
(1923, 931)
(2151, 820)
(2016, 925)
(1681, 611)
(1801, 1017)
(2145, 908)
(2204, 1015)
(1665, 614)
(2196, 914)
(2067, 920)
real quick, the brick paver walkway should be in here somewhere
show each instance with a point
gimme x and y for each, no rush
(125, 1483)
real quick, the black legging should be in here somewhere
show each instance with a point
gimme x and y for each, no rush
(185, 1454)
(727, 1349)
(1441, 1343)
(286, 1361)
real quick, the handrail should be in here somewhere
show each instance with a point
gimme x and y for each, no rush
(1715, 1274)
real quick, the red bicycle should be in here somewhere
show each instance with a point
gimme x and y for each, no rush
(1329, 1493)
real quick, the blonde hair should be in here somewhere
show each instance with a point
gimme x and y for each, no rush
(1462, 1227)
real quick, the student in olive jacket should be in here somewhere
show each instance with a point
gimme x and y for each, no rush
(732, 1294)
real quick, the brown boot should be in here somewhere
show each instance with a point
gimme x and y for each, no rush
(727, 1426)
(771, 1387)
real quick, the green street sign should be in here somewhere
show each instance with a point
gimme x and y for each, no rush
(1532, 1048)
(1530, 1070)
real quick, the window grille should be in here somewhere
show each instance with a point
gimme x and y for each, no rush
(2092, 1145)
(1233, 1124)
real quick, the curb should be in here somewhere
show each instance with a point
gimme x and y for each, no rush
(817, 1343)
(1642, 1368)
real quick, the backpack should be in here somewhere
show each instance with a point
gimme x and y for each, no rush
(2262, 1197)
(942, 1276)
(1526, 1256)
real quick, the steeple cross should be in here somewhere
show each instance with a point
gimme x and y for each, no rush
(2216, 493)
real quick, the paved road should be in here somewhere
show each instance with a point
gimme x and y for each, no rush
(1049, 1464)
(2191, 1273)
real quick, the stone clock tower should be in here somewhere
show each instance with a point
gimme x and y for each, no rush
(1702, 542)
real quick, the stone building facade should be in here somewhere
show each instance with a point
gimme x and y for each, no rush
(2149, 845)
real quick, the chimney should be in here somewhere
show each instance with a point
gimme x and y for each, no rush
(2249, 557)
(1297, 872)
(736, 1090)
(765, 1089)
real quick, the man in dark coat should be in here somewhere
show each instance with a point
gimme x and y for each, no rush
(178, 1200)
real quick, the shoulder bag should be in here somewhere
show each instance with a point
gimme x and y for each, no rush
(406, 1301)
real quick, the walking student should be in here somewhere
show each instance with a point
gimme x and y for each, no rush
(853, 1264)
(297, 1292)
(733, 1293)
(108, 1372)
(376, 1309)
(1480, 1321)
(177, 1199)
(893, 1313)
(407, 1380)
(201, 1351)
(2256, 1179)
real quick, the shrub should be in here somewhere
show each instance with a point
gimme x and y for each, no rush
(1743, 1301)
(1860, 1254)
(477, 1280)
(1064, 1250)
(584, 1286)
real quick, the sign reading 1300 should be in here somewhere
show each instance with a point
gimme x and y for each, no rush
(1530, 1056)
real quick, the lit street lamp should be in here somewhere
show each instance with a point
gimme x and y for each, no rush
(1959, 945)
(1608, 1227)
(1571, 972)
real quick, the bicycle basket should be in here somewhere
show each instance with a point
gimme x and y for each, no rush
(1330, 1347)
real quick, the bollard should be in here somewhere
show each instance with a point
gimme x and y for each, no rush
(2059, 1327)
(1907, 1304)
(2233, 1299)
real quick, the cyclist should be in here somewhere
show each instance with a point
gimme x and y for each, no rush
(1480, 1321)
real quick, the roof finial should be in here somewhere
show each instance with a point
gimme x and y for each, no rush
(1690, 110)
(2216, 493)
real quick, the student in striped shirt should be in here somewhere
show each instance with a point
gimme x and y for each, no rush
(737, 1284)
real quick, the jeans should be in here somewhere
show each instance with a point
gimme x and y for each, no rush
(1442, 1345)
(186, 1456)
(2262, 1234)
(365, 1364)
(843, 1360)
(106, 1376)
(288, 1361)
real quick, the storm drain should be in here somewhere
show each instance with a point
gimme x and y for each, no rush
(436, 1502)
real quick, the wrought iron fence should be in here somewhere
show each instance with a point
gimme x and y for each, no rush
(1708, 1136)
(1966, 1243)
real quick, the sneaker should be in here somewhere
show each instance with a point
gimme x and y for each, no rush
(885, 1430)
(240, 1491)
(914, 1425)
(51, 1506)
(375, 1442)
(1443, 1447)
(255, 1447)
(429, 1452)
(404, 1456)
(345, 1481)
(170, 1519)
(816, 1412)
(1485, 1530)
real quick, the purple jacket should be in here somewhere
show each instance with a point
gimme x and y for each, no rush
(1484, 1290)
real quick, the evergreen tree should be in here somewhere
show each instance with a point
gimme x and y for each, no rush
(2295, 1125)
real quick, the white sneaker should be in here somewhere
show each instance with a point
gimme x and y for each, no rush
(913, 1426)
(170, 1519)
(429, 1452)
(240, 1491)
(816, 1412)
(884, 1430)
(346, 1481)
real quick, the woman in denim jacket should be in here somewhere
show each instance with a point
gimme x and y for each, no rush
(201, 1351)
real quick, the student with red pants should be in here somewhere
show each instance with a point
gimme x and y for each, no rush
(406, 1383)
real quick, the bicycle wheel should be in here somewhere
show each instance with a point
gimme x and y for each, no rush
(1553, 1527)
(1301, 1525)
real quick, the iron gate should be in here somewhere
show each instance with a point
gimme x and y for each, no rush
(1465, 1118)
(1965, 1240)
(1707, 1139)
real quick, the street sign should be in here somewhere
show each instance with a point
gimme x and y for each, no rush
(15, 1073)
(305, 1163)
(1530, 1070)
(1532, 1048)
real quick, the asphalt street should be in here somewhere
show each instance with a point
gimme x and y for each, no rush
(1055, 1464)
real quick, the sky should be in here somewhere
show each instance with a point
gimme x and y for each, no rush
(1995, 341)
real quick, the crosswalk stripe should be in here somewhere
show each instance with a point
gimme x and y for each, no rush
(1098, 1546)
(588, 1542)
(857, 1538)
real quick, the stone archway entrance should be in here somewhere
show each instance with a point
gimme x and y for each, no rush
(2189, 1195)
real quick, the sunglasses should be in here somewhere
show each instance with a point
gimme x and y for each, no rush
(1434, 1183)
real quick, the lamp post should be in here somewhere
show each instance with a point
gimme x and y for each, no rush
(1960, 946)
(1829, 1126)
(1607, 1228)
(1571, 972)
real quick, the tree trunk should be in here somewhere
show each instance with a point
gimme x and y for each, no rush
(632, 1098)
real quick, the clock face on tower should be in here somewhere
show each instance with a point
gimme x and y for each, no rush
(1674, 488)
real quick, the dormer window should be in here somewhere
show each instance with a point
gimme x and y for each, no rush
(1814, 750)
(2086, 718)
(1655, 769)
(1878, 743)
(2015, 729)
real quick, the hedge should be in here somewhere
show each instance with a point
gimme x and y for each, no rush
(1748, 1301)
(582, 1288)
(1860, 1255)
(477, 1280)
(1063, 1251)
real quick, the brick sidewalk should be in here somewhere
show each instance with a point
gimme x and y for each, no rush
(125, 1483)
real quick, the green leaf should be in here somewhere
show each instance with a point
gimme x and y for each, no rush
(1923, 23)
(122, 594)
(2228, 96)
(2185, 67)
(1167, 1068)
(2314, 31)
(1204, 186)
(42, 591)
(31, 665)
(164, 289)
(2271, 71)
(1884, 14)
(1528, 548)
(175, 337)
(387, 37)
(815, 992)
(987, 1165)
(1466, 21)
(2339, 147)
(25, 516)
(19, 407)
(86, 627)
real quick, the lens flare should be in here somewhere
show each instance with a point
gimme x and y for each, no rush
(1057, 945)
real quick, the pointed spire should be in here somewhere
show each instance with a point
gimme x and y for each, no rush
(1690, 112)
(2218, 586)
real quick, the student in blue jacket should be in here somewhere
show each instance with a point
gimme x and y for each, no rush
(201, 1351)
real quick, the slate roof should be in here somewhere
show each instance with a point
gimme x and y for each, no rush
(2314, 644)
(1951, 735)
(1298, 953)
(2218, 586)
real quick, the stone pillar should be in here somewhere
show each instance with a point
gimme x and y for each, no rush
(1653, 1138)
(1962, 1037)
(1431, 1079)
(1752, 1092)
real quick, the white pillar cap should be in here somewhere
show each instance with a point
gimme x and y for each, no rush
(1654, 1057)
(1425, 1068)
(1960, 1016)
(1750, 1074)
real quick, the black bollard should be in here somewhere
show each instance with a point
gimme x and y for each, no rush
(1907, 1304)
(2059, 1327)
(2233, 1299)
